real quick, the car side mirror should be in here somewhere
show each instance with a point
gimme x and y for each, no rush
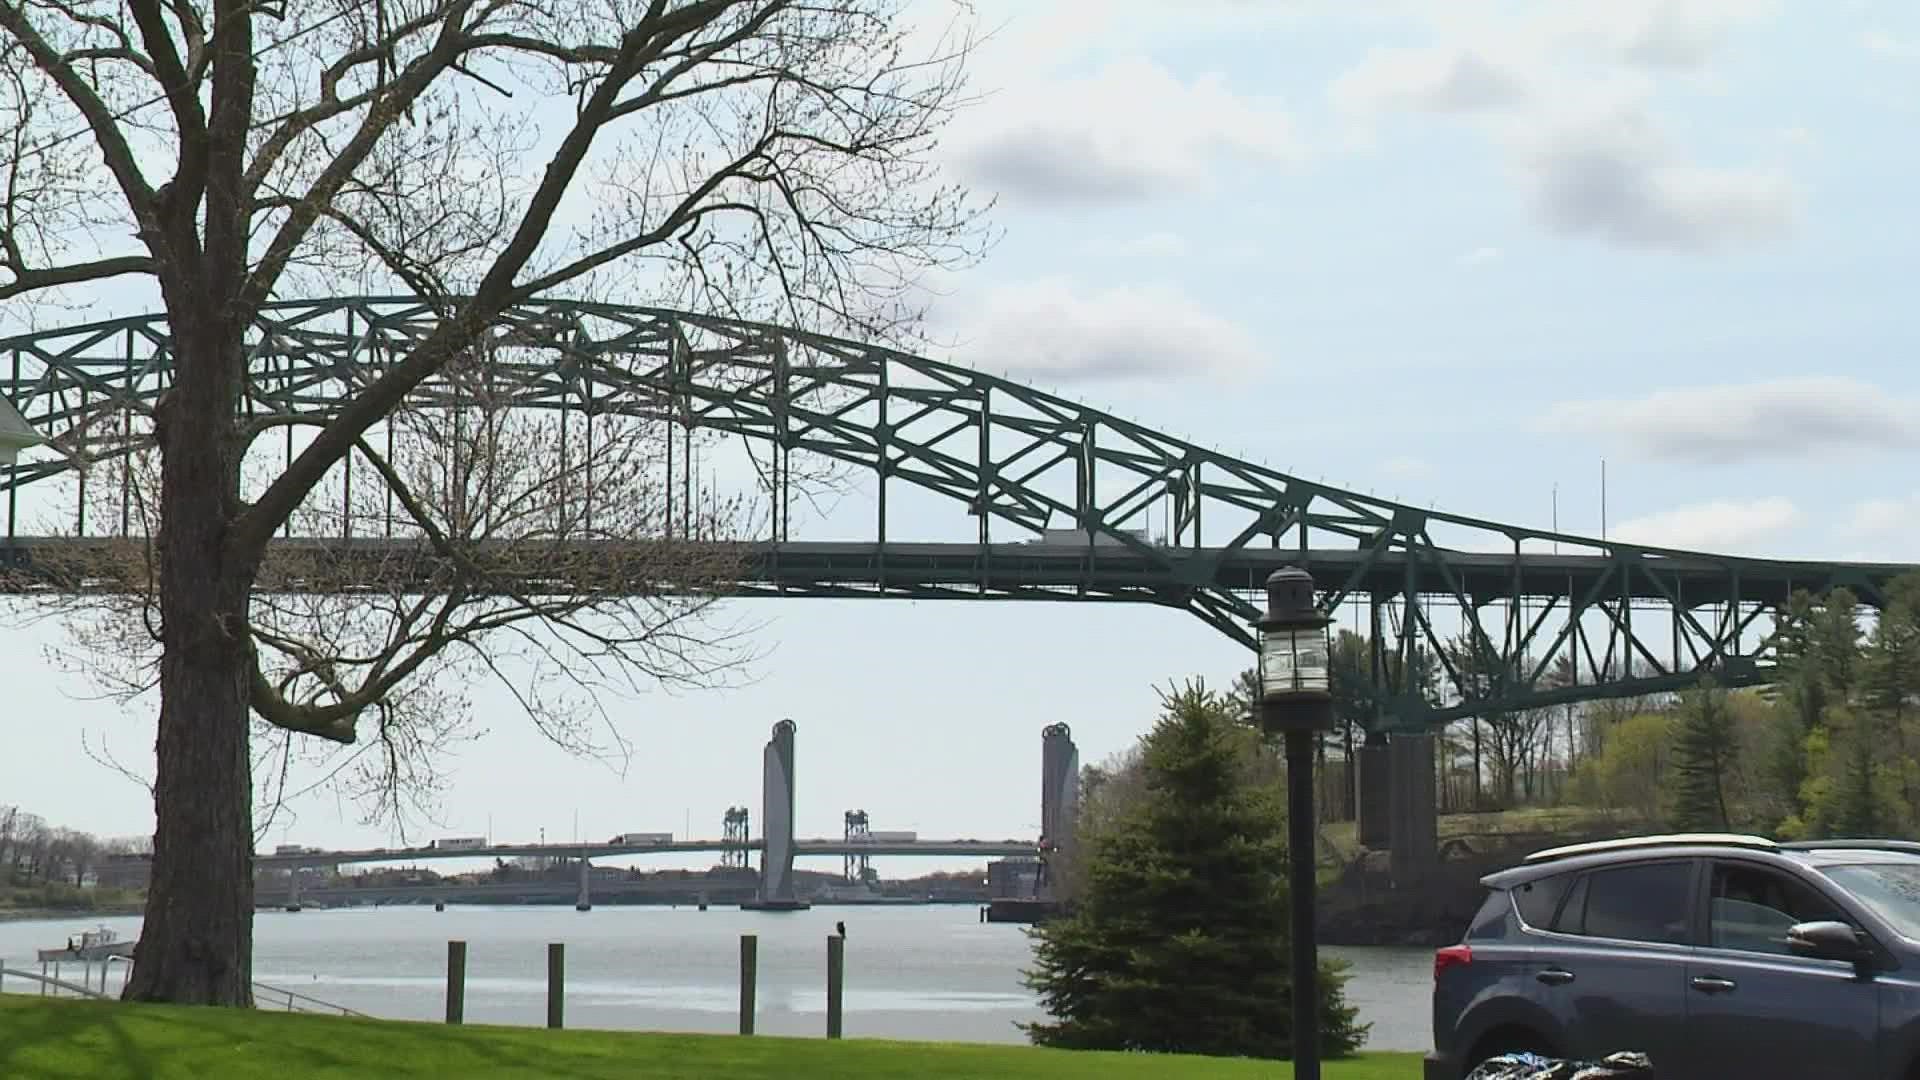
(1827, 940)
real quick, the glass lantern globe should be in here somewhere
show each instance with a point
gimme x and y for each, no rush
(1293, 660)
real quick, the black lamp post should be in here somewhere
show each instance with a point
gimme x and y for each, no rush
(1296, 700)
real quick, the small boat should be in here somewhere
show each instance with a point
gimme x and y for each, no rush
(97, 944)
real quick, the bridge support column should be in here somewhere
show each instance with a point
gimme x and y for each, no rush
(1059, 810)
(1374, 810)
(776, 815)
(1412, 809)
(584, 902)
(293, 889)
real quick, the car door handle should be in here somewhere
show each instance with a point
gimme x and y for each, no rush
(1555, 977)
(1711, 984)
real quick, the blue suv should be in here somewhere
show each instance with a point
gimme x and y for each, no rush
(1716, 955)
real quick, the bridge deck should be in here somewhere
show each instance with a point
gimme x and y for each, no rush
(809, 847)
(1027, 570)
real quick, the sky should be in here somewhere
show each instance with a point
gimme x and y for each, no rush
(1453, 253)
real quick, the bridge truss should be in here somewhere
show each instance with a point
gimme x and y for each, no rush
(1547, 617)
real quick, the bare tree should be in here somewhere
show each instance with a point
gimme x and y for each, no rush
(754, 157)
(511, 521)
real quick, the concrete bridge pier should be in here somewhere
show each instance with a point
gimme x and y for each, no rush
(1398, 811)
(293, 889)
(585, 900)
(1374, 808)
(1059, 808)
(1413, 810)
(776, 892)
(1059, 837)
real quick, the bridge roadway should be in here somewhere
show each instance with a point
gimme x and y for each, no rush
(1038, 571)
(817, 847)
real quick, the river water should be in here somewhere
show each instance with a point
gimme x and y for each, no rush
(913, 972)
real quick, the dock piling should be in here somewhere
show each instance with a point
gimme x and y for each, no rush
(749, 979)
(836, 982)
(456, 982)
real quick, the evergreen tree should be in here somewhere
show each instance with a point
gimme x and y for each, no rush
(1892, 680)
(1853, 802)
(1179, 942)
(1703, 753)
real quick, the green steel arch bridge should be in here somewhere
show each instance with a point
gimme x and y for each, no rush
(1061, 496)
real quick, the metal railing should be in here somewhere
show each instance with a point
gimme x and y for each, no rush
(265, 995)
(47, 982)
(296, 1002)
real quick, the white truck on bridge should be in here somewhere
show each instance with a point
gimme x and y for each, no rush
(453, 843)
(632, 838)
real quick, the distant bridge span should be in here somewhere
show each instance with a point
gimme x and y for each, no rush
(1630, 619)
(985, 849)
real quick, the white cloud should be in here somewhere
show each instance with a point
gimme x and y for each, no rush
(1722, 526)
(1661, 35)
(1739, 422)
(1880, 530)
(1884, 517)
(1051, 330)
(1437, 79)
(1131, 130)
(1616, 179)
(1885, 44)
(1671, 34)
(1479, 256)
(1563, 91)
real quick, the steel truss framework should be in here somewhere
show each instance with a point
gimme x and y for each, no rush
(1634, 620)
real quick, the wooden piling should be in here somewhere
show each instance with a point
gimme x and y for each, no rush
(456, 982)
(749, 979)
(556, 984)
(836, 980)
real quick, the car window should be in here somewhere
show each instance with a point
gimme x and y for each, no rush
(1892, 890)
(1751, 907)
(1646, 902)
(1490, 922)
(1538, 901)
(1574, 912)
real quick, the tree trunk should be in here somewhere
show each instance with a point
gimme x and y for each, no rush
(1478, 799)
(196, 945)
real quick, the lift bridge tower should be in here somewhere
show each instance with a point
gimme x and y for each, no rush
(736, 832)
(856, 870)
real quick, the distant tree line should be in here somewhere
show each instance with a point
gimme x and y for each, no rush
(1827, 750)
(34, 852)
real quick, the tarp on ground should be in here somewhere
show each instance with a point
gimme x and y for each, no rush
(1627, 1065)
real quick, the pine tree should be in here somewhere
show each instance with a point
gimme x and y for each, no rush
(1857, 781)
(1892, 680)
(1179, 942)
(1703, 752)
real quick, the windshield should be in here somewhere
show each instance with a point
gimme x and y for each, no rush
(1892, 890)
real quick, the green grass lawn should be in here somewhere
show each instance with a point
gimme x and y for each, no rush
(47, 1039)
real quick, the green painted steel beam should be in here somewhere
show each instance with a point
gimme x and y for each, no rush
(1020, 460)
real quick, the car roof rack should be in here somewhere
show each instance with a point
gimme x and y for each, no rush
(1852, 844)
(1627, 843)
